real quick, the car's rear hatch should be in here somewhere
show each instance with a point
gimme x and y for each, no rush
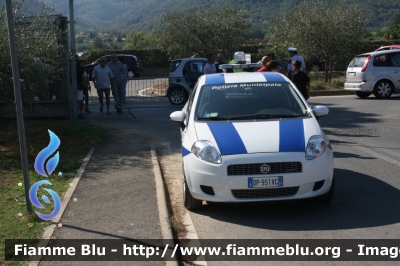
(174, 65)
(356, 68)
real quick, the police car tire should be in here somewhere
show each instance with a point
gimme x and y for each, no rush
(178, 91)
(327, 197)
(189, 202)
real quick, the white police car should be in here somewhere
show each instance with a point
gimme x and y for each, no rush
(252, 137)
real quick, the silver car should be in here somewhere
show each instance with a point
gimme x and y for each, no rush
(183, 75)
(374, 72)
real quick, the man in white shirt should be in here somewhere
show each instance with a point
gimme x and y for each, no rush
(103, 80)
(294, 56)
(209, 68)
(117, 69)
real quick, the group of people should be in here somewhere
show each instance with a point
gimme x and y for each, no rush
(296, 68)
(107, 77)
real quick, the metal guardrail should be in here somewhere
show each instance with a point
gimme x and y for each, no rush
(146, 92)
(142, 92)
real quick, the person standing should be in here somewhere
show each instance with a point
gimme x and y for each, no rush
(117, 69)
(294, 56)
(301, 79)
(220, 61)
(103, 79)
(273, 66)
(86, 87)
(209, 68)
(80, 81)
(124, 80)
(263, 63)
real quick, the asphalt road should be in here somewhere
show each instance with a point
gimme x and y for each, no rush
(365, 137)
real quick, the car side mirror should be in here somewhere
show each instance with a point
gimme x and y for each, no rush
(179, 117)
(320, 110)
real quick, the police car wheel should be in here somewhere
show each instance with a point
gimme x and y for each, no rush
(178, 96)
(189, 202)
(327, 197)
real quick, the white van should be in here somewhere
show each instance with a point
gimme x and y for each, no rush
(374, 72)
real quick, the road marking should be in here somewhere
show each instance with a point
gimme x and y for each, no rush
(378, 155)
(382, 149)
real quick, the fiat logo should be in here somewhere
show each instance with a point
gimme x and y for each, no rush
(265, 168)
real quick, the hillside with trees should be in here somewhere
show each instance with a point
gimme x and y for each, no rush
(146, 15)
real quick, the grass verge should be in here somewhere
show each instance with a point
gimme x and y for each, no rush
(76, 140)
(318, 81)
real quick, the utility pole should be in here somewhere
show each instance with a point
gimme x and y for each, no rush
(73, 92)
(18, 104)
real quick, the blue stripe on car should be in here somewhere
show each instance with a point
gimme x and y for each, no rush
(273, 77)
(215, 79)
(227, 138)
(185, 151)
(291, 136)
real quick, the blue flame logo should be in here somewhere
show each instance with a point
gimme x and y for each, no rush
(50, 167)
(45, 153)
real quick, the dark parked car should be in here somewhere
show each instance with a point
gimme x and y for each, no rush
(135, 68)
(318, 64)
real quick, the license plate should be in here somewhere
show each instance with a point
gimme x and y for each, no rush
(351, 74)
(256, 182)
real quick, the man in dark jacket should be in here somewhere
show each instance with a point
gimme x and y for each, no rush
(301, 79)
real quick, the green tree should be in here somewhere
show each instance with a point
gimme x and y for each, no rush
(80, 40)
(97, 43)
(119, 39)
(334, 30)
(92, 34)
(39, 53)
(138, 40)
(394, 30)
(208, 30)
(255, 33)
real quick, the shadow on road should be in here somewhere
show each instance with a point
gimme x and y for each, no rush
(360, 201)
